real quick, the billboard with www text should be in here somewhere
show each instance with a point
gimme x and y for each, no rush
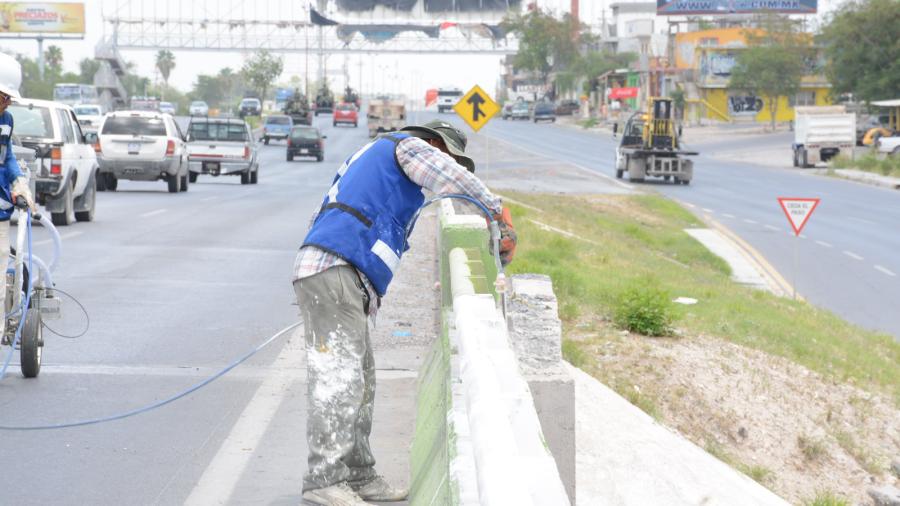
(697, 7)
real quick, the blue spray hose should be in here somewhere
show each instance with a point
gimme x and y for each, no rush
(232, 365)
(25, 303)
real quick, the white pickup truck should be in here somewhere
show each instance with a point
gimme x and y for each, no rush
(822, 133)
(889, 145)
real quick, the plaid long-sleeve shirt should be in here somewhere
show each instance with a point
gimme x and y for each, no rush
(429, 168)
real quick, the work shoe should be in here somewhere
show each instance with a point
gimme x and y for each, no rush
(340, 494)
(378, 489)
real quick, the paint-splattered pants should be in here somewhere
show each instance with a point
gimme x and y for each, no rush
(341, 378)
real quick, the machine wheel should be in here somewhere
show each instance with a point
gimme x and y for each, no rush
(184, 182)
(319, 158)
(355, 125)
(290, 157)
(334, 123)
(619, 173)
(245, 177)
(804, 159)
(90, 194)
(192, 176)
(32, 344)
(111, 182)
(266, 141)
(668, 178)
(67, 217)
(173, 182)
(685, 181)
(100, 182)
(795, 158)
(254, 176)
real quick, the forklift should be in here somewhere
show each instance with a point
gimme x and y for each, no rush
(650, 146)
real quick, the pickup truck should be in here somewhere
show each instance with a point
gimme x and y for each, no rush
(822, 133)
(277, 126)
(66, 167)
(889, 145)
(222, 147)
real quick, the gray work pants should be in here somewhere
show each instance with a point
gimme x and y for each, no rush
(340, 378)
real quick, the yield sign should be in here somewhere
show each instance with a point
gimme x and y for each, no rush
(798, 211)
(476, 108)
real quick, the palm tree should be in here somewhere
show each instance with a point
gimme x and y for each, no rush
(54, 57)
(165, 62)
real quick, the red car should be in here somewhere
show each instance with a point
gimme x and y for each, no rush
(346, 113)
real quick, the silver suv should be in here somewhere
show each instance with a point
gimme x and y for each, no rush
(142, 146)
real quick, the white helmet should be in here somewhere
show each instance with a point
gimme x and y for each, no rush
(9, 90)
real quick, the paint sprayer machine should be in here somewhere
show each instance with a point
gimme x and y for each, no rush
(30, 297)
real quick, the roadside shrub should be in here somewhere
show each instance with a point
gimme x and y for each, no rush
(644, 308)
(589, 123)
(842, 162)
(827, 499)
(573, 354)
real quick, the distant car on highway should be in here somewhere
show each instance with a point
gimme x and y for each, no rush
(306, 141)
(222, 147)
(142, 146)
(198, 108)
(544, 111)
(276, 126)
(66, 164)
(89, 115)
(250, 107)
(345, 113)
(520, 110)
(167, 108)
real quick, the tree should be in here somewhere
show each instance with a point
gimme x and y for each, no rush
(165, 62)
(861, 49)
(87, 68)
(261, 70)
(773, 63)
(546, 44)
(595, 63)
(53, 56)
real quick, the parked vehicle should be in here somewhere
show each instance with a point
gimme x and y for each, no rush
(67, 165)
(385, 116)
(544, 111)
(889, 145)
(822, 133)
(506, 111)
(250, 107)
(142, 146)
(520, 110)
(89, 116)
(222, 147)
(168, 108)
(198, 108)
(447, 98)
(306, 141)
(277, 126)
(142, 103)
(345, 113)
(567, 107)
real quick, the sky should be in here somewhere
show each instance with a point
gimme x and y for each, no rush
(386, 73)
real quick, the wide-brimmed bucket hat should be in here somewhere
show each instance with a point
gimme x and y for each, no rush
(453, 138)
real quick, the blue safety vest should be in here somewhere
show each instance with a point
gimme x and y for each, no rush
(364, 216)
(9, 167)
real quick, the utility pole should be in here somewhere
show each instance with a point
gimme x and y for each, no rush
(40, 41)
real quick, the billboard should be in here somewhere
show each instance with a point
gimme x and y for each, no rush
(430, 5)
(697, 7)
(42, 17)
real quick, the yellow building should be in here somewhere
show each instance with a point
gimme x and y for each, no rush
(709, 55)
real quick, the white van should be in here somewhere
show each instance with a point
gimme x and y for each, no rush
(447, 98)
(67, 165)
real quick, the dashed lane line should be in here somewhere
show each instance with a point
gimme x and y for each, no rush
(885, 270)
(728, 215)
(709, 210)
(853, 255)
(770, 227)
(824, 244)
(153, 213)
(752, 222)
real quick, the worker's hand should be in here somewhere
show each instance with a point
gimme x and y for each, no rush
(20, 189)
(508, 237)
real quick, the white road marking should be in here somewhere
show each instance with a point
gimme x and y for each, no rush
(709, 210)
(728, 215)
(770, 227)
(884, 270)
(801, 236)
(692, 206)
(207, 199)
(152, 213)
(852, 255)
(752, 222)
(221, 476)
(62, 237)
(824, 244)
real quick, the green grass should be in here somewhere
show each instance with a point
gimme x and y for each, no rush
(870, 162)
(827, 499)
(628, 239)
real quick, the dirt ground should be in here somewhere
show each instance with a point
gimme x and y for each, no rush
(796, 432)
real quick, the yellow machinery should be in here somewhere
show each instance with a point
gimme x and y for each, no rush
(650, 145)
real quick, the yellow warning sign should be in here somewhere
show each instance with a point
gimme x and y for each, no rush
(476, 108)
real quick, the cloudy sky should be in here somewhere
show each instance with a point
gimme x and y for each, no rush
(406, 74)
